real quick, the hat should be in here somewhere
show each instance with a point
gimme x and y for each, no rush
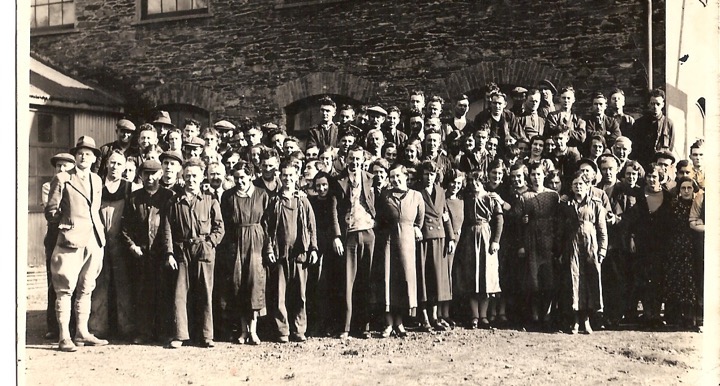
(195, 142)
(664, 153)
(224, 125)
(519, 90)
(269, 127)
(85, 142)
(163, 118)
(171, 154)
(150, 166)
(589, 162)
(125, 124)
(67, 157)
(548, 84)
(377, 110)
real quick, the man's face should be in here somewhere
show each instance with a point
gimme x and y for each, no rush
(550, 146)
(84, 158)
(666, 165)
(517, 177)
(322, 186)
(537, 177)
(411, 153)
(326, 159)
(193, 151)
(656, 105)
(533, 102)
(124, 135)
(416, 124)
(115, 166)
(617, 101)
(312, 153)
(492, 146)
(215, 175)
(255, 156)
(391, 154)
(481, 139)
(631, 176)
(211, 141)
(433, 124)
(290, 147)
(362, 119)
(242, 180)
(254, 137)
(394, 119)
(652, 180)
(190, 131)
(580, 187)
(171, 167)
(596, 148)
(561, 140)
(432, 142)
(347, 116)
(328, 113)
(355, 160)
(174, 141)
(269, 167)
(546, 94)
(608, 169)
(497, 104)
(567, 99)
(278, 140)
(696, 156)
(587, 171)
(380, 175)
(622, 150)
(147, 138)
(417, 101)
(345, 143)
(310, 171)
(63, 166)
(232, 161)
(434, 109)
(397, 178)
(461, 107)
(288, 177)
(151, 179)
(376, 140)
(193, 176)
(598, 106)
(686, 171)
(376, 120)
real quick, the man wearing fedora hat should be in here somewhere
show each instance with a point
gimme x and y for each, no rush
(140, 223)
(74, 205)
(124, 129)
(163, 124)
(547, 104)
(61, 162)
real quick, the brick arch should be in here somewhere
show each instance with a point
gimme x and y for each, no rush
(511, 71)
(185, 93)
(319, 83)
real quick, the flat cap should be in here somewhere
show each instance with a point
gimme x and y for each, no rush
(664, 153)
(224, 125)
(548, 85)
(519, 90)
(150, 166)
(67, 157)
(377, 110)
(589, 162)
(195, 142)
(175, 155)
(125, 124)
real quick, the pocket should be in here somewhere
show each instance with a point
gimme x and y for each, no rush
(206, 252)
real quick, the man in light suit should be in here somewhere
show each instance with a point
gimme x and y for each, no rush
(356, 214)
(74, 204)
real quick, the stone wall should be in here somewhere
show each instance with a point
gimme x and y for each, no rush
(251, 58)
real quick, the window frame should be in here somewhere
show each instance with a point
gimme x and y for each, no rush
(53, 29)
(284, 4)
(143, 17)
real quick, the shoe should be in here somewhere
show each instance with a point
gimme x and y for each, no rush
(366, 335)
(344, 335)
(207, 343)
(139, 340)
(51, 335)
(575, 329)
(437, 326)
(90, 340)
(283, 339)
(386, 332)
(67, 345)
(253, 340)
(450, 322)
(425, 326)
(445, 324)
(473, 324)
(400, 331)
(485, 324)
(298, 337)
(588, 328)
(243, 338)
(175, 344)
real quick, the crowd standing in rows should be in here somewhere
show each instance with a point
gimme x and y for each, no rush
(531, 218)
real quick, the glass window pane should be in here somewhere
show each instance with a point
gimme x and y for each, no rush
(32, 18)
(45, 128)
(199, 4)
(69, 13)
(55, 14)
(184, 5)
(169, 6)
(41, 1)
(153, 6)
(41, 13)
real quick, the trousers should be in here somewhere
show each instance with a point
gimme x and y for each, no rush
(289, 284)
(359, 248)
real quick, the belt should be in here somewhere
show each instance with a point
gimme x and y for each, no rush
(194, 240)
(247, 225)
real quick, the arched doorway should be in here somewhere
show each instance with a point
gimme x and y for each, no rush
(303, 114)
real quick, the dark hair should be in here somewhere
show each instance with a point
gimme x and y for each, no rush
(326, 101)
(322, 174)
(288, 164)
(636, 166)
(418, 92)
(382, 162)
(537, 165)
(617, 91)
(393, 109)
(656, 166)
(683, 163)
(598, 137)
(347, 107)
(697, 144)
(496, 164)
(191, 121)
(436, 98)
(194, 161)
(429, 166)
(147, 127)
(532, 91)
(657, 93)
(150, 148)
(269, 153)
(567, 88)
(498, 94)
(537, 137)
(696, 187)
(491, 87)
(519, 166)
(246, 167)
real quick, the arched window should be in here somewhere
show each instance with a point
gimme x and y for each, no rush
(303, 114)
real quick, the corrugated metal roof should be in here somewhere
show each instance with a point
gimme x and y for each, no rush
(49, 85)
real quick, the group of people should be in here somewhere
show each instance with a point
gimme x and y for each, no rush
(534, 217)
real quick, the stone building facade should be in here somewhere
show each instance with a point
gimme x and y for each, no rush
(271, 59)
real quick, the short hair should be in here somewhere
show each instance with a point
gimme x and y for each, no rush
(269, 153)
(655, 166)
(496, 164)
(601, 138)
(519, 166)
(491, 87)
(498, 94)
(400, 166)
(347, 107)
(537, 137)
(452, 175)
(532, 91)
(215, 164)
(598, 95)
(429, 166)
(210, 130)
(292, 138)
(582, 176)
(476, 175)
(152, 148)
(617, 91)
(461, 97)
(147, 127)
(388, 145)
(415, 113)
(245, 167)
(394, 109)
(513, 150)
(116, 152)
(537, 165)
(191, 121)
(436, 98)
(623, 139)
(194, 161)
(382, 162)
(418, 92)
(657, 93)
(296, 155)
(697, 144)
(605, 157)
(356, 148)
(566, 89)
(327, 101)
(636, 166)
(322, 174)
(288, 164)
(683, 163)
(228, 154)
(562, 129)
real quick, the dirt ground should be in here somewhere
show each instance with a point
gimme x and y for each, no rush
(460, 356)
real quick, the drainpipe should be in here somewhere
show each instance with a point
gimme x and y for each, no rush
(650, 46)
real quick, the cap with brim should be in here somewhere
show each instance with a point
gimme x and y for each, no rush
(377, 110)
(664, 153)
(195, 142)
(67, 157)
(549, 85)
(150, 166)
(589, 162)
(175, 155)
(224, 125)
(125, 124)
(163, 119)
(87, 143)
(519, 90)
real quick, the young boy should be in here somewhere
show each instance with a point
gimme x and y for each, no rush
(291, 247)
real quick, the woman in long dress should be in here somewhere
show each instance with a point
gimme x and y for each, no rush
(583, 236)
(476, 267)
(244, 211)
(400, 217)
(455, 205)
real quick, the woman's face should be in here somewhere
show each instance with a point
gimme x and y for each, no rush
(398, 179)
(391, 154)
(686, 190)
(652, 180)
(476, 185)
(429, 178)
(537, 147)
(242, 180)
(469, 143)
(255, 156)
(496, 176)
(596, 148)
(456, 185)
(380, 175)
(631, 176)
(411, 153)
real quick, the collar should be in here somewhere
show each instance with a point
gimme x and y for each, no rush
(249, 192)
